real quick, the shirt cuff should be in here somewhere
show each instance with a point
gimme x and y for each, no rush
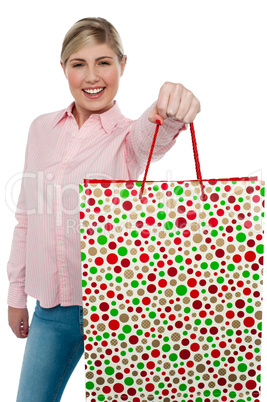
(17, 297)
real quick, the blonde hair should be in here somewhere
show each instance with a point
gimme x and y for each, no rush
(90, 31)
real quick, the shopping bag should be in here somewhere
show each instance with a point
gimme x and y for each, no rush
(172, 279)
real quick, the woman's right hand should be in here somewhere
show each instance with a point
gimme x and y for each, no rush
(18, 319)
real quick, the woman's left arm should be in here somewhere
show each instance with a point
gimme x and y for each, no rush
(175, 101)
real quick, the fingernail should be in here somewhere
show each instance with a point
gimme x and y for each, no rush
(158, 122)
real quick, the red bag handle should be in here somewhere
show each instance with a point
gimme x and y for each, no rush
(203, 196)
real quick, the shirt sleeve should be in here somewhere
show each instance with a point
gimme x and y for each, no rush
(139, 139)
(16, 265)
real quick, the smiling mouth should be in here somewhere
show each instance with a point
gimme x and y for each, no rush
(93, 91)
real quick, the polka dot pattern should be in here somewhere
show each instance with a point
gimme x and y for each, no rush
(172, 290)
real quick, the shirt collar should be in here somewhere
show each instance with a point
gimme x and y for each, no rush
(108, 119)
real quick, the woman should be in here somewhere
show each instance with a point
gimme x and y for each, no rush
(88, 139)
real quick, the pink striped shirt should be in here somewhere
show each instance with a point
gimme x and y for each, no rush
(45, 252)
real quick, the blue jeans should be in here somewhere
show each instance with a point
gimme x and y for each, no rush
(53, 348)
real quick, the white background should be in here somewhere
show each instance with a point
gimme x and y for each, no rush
(216, 49)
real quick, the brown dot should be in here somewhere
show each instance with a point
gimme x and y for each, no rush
(200, 368)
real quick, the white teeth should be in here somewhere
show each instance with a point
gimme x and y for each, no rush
(93, 91)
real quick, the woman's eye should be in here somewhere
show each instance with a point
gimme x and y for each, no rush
(104, 63)
(78, 65)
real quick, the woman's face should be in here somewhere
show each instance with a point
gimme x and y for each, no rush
(93, 74)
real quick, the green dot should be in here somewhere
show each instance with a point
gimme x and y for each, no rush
(206, 207)
(83, 256)
(89, 385)
(80, 188)
(122, 251)
(136, 301)
(241, 237)
(109, 370)
(231, 267)
(126, 329)
(178, 258)
(84, 283)
(214, 233)
(82, 205)
(128, 381)
(259, 326)
(240, 199)
(161, 385)
(238, 227)
(124, 193)
(166, 347)
(229, 332)
(181, 290)
(116, 220)
(246, 274)
(262, 191)
(173, 357)
(204, 265)
(182, 387)
(214, 265)
(220, 279)
(178, 190)
(242, 367)
(102, 239)
(156, 256)
(168, 225)
(140, 365)
(155, 188)
(260, 249)
(256, 277)
(134, 284)
(232, 394)
(250, 309)
(161, 215)
(208, 321)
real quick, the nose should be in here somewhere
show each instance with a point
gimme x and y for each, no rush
(91, 75)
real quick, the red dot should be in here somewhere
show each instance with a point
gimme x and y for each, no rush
(112, 258)
(249, 322)
(250, 256)
(144, 257)
(251, 384)
(99, 261)
(180, 223)
(237, 258)
(248, 224)
(113, 325)
(213, 222)
(191, 215)
(150, 220)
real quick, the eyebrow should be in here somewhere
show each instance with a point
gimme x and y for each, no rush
(99, 58)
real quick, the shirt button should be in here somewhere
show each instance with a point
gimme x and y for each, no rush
(61, 269)
(73, 134)
(59, 243)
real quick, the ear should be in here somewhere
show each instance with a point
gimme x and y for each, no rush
(123, 64)
(63, 68)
